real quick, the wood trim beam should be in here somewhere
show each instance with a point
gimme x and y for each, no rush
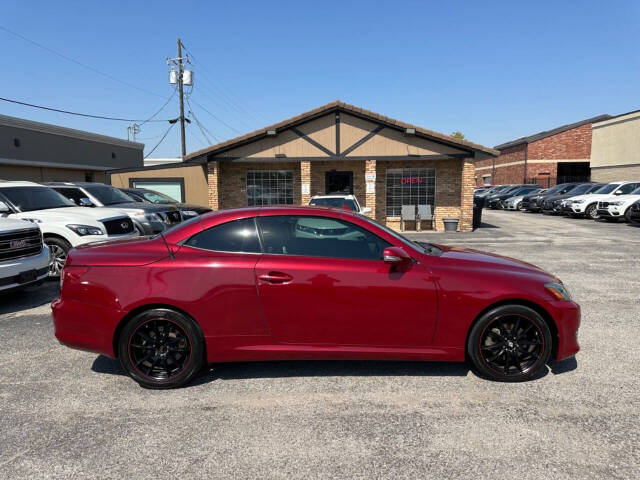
(450, 156)
(338, 133)
(363, 140)
(312, 142)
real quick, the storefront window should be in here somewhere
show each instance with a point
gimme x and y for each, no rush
(269, 187)
(409, 186)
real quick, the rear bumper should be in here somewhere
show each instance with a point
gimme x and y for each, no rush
(85, 327)
(567, 318)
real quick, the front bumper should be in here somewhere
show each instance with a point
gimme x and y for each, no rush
(20, 272)
(567, 319)
(610, 212)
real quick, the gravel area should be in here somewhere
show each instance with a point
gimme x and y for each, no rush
(71, 414)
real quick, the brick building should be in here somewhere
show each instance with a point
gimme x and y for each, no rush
(341, 148)
(554, 156)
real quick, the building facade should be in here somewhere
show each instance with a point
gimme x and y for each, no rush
(340, 148)
(546, 158)
(615, 153)
(43, 152)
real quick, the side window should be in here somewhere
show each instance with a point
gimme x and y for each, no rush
(73, 194)
(319, 237)
(236, 236)
(628, 188)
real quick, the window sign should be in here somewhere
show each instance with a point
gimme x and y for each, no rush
(410, 186)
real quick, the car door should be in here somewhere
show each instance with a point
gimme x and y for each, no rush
(216, 279)
(322, 280)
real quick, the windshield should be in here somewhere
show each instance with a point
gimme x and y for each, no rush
(28, 199)
(580, 189)
(608, 188)
(108, 195)
(422, 247)
(334, 202)
(155, 197)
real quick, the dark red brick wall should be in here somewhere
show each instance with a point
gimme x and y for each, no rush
(574, 143)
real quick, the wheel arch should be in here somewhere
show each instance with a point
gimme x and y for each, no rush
(546, 316)
(150, 306)
(55, 235)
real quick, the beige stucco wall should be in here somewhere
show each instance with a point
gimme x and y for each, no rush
(195, 181)
(612, 174)
(616, 142)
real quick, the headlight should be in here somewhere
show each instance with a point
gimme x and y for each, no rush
(616, 203)
(579, 201)
(84, 230)
(189, 213)
(559, 291)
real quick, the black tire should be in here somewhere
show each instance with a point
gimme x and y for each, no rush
(161, 348)
(627, 215)
(58, 251)
(510, 343)
(591, 212)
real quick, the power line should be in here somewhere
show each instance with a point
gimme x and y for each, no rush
(161, 140)
(218, 119)
(101, 117)
(227, 97)
(203, 129)
(77, 62)
(161, 108)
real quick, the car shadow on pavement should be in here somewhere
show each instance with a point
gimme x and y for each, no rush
(29, 297)
(306, 368)
(564, 366)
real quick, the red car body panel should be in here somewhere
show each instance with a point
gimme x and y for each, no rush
(326, 309)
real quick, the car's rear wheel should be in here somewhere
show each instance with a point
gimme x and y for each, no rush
(592, 212)
(161, 348)
(58, 251)
(511, 343)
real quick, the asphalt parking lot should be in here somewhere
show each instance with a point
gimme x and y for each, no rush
(70, 414)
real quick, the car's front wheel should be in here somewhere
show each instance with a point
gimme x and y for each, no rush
(510, 343)
(58, 251)
(592, 212)
(161, 348)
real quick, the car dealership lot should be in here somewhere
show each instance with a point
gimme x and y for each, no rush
(67, 413)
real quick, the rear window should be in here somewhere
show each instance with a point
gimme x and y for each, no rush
(238, 236)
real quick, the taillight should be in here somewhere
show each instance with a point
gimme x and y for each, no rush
(72, 273)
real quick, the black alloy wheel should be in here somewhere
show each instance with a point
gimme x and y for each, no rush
(511, 343)
(161, 348)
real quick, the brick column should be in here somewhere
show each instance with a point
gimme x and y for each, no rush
(466, 195)
(370, 197)
(305, 182)
(213, 179)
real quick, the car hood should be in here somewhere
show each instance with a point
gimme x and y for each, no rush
(147, 207)
(9, 224)
(515, 199)
(492, 261)
(72, 214)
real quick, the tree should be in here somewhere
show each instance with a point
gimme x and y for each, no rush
(458, 134)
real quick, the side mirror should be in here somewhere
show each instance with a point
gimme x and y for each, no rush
(395, 256)
(4, 208)
(365, 210)
(85, 202)
(617, 192)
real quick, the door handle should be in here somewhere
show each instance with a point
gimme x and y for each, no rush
(278, 278)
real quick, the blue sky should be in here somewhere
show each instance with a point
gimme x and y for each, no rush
(494, 70)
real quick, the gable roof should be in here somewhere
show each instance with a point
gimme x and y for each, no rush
(337, 105)
(550, 133)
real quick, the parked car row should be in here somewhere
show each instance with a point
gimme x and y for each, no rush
(40, 223)
(611, 201)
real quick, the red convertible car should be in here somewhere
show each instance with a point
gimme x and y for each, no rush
(283, 283)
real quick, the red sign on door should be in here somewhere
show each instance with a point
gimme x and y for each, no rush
(411, 180)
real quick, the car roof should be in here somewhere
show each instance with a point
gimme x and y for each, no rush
(19, 183)
(333, 196)
(74, 184)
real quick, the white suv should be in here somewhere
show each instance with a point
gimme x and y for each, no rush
(24, 258)
(63, 224)
(339, 201)
(618, 206)
(587, 205)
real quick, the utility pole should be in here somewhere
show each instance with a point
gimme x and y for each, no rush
(132, 130)
(180, 85)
